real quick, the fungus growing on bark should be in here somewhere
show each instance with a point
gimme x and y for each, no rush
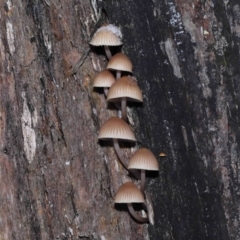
(129, 193)
(125, 89)
(104, 79)
(120, 62)
(143, 159)
(162, 154)
(116, 129)
(106, 36)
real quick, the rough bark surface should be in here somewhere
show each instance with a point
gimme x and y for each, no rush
(56, 181)
(186, 58)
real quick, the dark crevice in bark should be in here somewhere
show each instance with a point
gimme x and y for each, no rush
(47, 207)
(59, 122)
(25, 199)
(28, 98)
(73, 201)
(94, 109)
(41, 18)
(44, 110)
(105, 186)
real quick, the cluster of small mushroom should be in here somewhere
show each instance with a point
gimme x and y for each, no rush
(122, 89)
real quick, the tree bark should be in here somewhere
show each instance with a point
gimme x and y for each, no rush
(186, 58)
(57, 181)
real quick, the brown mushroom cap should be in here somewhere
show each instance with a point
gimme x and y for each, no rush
(129, 193)
(104, 79)
(116, 128)
(125, 87)
(120, 62)
(143, 159)
(109, 35)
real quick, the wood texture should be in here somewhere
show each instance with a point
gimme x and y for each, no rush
(186, 58)
(56, 181)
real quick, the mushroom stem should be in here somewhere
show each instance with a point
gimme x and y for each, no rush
(108, 52)
(123, 159)
(118, 74)
(143, 180)
(135, 215)
(105, 89)
(124, 110)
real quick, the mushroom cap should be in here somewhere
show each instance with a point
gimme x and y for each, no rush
(125, 87)
(120, 62)
(143, 159)
(116, 128)
(162, 154)
(109, 35)
(104, 79)
(129, 193)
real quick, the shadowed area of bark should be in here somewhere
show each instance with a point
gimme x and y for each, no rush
(186, 59)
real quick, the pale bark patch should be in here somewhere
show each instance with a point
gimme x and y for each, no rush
(172, 56)
(10, 37)
(29, 134)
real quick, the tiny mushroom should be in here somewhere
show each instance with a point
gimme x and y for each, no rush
(143, 159)
(104, 79)
(106, 36)
(162, 154)
(120, 62)
(129, 193)
(117, 129)
(125, 89)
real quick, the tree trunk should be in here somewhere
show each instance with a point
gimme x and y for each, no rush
(57, 181)
(186, 58)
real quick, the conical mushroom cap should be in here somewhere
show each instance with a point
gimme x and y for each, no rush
(116, 128)
(125, 87)
(104, 79)
(109, 35)
(120, 62)
(143, 159)
(129, 193)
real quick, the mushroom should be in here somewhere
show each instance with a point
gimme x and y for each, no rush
(143, 159)
(129, 193)
(120, 62)
(125, 89)
(116, 129)
(104, 79)
(162, 154)
(106, 36)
